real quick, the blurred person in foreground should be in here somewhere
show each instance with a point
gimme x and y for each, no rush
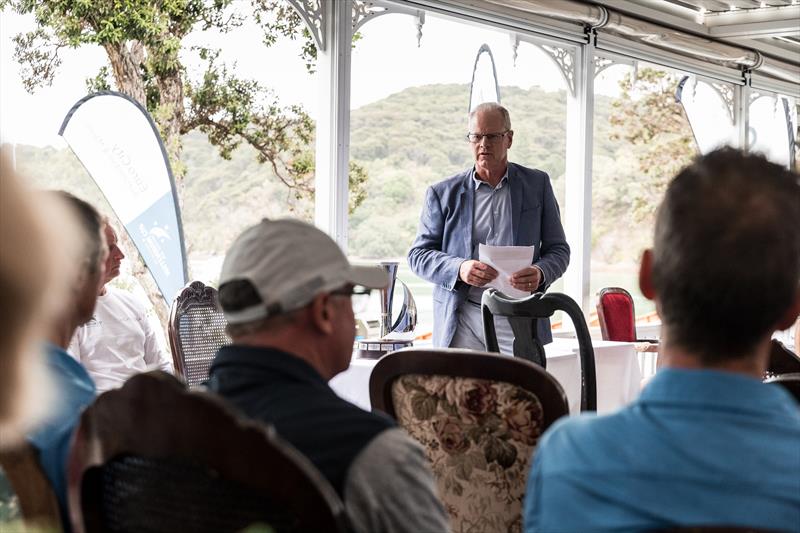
(118, 341)
(707, 443)
(74, 388)
(287, 292)
(29, 286)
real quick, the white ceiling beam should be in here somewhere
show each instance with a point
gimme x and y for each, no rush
(775, 28)
(770, 47)
(660, 12)
(773, 21)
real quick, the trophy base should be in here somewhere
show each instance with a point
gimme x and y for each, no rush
(377, 348)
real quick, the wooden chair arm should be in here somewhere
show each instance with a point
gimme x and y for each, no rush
(37, 500)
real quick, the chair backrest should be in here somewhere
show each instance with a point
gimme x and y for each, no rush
(782, 360)
(196, 331)
(35, 495)
(616, 315)
(797, 337)
(790, 382)
(154, 456)
(479, 417)
(522, 316)
(715, 529)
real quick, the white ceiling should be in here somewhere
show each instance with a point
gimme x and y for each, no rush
(772, 27)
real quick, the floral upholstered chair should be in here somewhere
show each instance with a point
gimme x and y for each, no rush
(479, 417)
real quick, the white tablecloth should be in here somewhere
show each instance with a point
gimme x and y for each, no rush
(617, 367)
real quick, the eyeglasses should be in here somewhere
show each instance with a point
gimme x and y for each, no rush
(359, 296)
(475, 138)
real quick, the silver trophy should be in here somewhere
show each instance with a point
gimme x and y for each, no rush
(405, 322)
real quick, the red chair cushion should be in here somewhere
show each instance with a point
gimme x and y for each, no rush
(618, 312)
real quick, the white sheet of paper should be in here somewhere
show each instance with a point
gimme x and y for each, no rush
(506, 260)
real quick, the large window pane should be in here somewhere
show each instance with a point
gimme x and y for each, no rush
(771, 128)
(221, 193)
(409, 118)
(641, 140)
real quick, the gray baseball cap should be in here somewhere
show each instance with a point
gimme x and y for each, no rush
(289, 262)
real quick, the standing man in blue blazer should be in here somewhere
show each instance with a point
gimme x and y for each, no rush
(495, 203)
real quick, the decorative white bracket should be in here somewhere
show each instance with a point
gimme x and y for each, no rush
(366, 10)
(725, 92)
(601, 63)
(514, 47)
(564, 58)
(313, 14)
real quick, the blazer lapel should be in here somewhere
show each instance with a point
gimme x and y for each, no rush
(516, 200)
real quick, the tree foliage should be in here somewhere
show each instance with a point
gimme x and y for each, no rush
(653, 123)
(144, 39)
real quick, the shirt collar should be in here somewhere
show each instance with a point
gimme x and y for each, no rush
(477, 182)
(269, 360)
(715, 389)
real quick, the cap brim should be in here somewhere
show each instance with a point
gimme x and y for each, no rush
(369, 276)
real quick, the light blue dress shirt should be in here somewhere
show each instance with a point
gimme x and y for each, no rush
(491, 220)
(698, 447)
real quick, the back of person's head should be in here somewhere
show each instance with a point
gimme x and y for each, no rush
(279, 266)
(726, 257)
(91, 223)
(89, 258)
(36, 232)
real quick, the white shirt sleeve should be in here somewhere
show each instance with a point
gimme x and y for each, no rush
(74, 348)
(390, 488)
(154, 353)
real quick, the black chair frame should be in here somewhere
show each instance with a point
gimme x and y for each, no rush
(523, 315)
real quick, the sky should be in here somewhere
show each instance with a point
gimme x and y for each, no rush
(385, 61)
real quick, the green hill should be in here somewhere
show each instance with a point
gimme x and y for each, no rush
(406, 142)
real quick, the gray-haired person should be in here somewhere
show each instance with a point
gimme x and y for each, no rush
(286, 291)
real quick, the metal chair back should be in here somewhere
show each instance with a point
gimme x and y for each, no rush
(523, 314)
(196, 331)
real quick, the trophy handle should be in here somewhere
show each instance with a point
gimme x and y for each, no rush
(407, 318)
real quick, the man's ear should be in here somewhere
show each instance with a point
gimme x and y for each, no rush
(646, 275)
(791, 314)
(510, 137)
(322, 314)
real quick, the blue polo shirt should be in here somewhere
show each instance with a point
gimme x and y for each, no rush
(698, 447)
(74, 391)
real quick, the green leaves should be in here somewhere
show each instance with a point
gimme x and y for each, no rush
(100, 82)
(144, 40)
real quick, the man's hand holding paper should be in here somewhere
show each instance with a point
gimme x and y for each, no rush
(516, 277)
(476, 273)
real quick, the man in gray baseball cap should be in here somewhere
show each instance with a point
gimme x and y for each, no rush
(286, 290)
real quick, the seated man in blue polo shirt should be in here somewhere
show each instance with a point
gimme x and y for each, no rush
(707, 443)
(286, 291)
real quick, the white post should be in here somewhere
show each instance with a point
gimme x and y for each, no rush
(741, 112)
(578, 198)
(333, 121)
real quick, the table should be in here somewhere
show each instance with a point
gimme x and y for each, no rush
(616, 363)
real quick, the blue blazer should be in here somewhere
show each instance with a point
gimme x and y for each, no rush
(444, 240)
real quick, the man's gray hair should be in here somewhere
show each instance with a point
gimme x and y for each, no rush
(491, 107)
(90, 220)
